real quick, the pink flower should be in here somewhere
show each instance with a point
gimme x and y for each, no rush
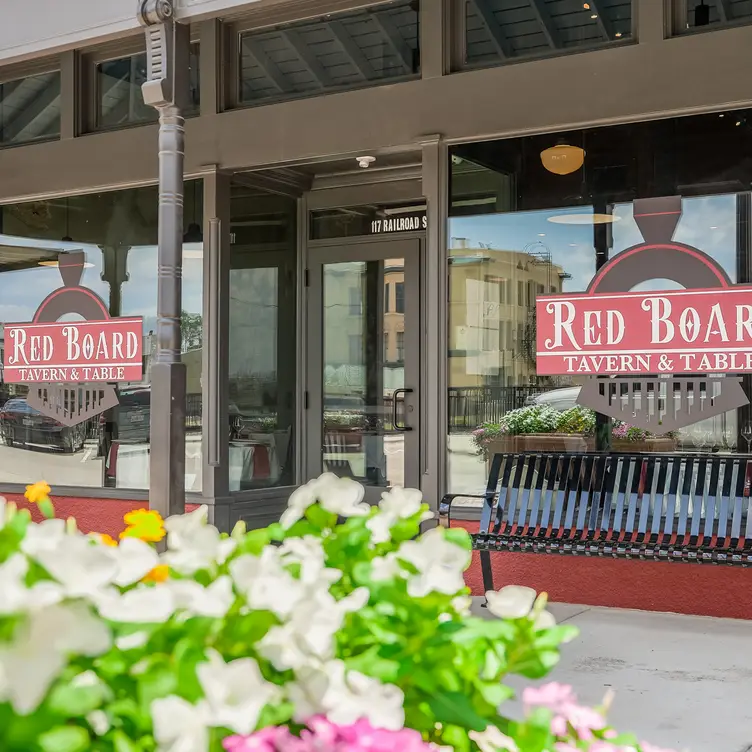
(553, 696)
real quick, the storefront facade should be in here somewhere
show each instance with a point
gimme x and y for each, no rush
(386, 218)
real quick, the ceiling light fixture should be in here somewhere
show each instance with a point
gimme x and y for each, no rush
(618, 35)
(594, 16)
(365, 161)
(563, 159)
(583, 219)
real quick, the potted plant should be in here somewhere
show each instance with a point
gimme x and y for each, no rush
(302, 635)
(535, 429)
(626, 438)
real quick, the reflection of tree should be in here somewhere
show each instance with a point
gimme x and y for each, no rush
(191, 329)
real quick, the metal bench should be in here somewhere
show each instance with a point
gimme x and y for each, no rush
(682, 508)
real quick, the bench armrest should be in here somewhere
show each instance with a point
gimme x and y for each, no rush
(445, 505)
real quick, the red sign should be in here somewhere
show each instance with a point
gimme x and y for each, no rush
(74, 352)
(682, 331)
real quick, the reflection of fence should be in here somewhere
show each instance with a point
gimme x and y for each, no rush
(193, 411)
(469, 407)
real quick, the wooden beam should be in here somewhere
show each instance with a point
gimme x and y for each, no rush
(493, 27)
(396, 41)
(311, 62)
(353, 52)
(550, 32)
(604, 23)
(267, 65)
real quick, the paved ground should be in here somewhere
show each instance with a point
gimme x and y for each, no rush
(680, 681)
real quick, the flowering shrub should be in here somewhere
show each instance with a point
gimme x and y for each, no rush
(326, 631)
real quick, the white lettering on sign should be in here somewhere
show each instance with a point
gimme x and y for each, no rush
(406, 223)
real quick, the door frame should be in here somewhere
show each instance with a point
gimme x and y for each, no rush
(411, 247)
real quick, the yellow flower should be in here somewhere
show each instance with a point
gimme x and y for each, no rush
(145, 524)
(37, 492)
(108, 540)
(160, 573)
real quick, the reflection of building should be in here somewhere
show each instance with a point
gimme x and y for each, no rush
(492, 338)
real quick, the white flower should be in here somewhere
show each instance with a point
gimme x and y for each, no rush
(492, 740)
(195, 599)
(309, 633)
(308, 551)
(461, 604)
(511, 602)
(235, 692)
(440, 564)
(385, 568)
(401, 503)
(44, 536)
(180, 726)
(142, 605)
(342, 496)
(192, 544)
(544, 620)
(265, 583)
(380, 526)
(132, 641)
(135, 559)
(83, 567)
(346, 696)
(99, 722)
(15, 596)
(40, 647)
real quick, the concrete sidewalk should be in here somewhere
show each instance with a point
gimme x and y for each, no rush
(684, 682)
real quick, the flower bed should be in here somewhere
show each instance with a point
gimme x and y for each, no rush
(543, 429)
(340, 629)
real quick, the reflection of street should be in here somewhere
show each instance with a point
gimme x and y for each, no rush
(83, 468)
(465, 469)
(390, 446)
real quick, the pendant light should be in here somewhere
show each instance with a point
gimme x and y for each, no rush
(194, 234)
(67, 238)
(702, 14)
(563, 159)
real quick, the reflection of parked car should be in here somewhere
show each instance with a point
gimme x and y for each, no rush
(133, 415)
(717, 431)
(23, 425)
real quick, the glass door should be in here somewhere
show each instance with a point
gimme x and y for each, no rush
(364, 363)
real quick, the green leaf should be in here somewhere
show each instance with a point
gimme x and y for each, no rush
(72, 702)
(121, 743)
(158, 682)
(459, 537)
(373, 664)
(64, 739)
(456, 708)
(456, 737)
(494, 693)
(319, 517)
(552, 638)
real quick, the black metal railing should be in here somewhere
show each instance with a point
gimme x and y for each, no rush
(470, 407)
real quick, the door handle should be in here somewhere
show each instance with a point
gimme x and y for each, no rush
(395, 424)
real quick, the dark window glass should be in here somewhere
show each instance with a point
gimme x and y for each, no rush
(117, 231)
(386, 298)
(701, 14)
(399, 297)
(262, 339)
(499, 31)
(343, 51)
(352, 221)
(30, 108)
(119, 98)
(511, 217)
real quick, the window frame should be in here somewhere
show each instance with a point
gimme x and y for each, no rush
(458, 42)
(28, 69)
(91, 58)
(260, 20)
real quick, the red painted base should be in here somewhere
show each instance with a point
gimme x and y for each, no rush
(92, 515)
(698, 589)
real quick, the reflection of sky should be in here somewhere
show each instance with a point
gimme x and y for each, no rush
(708, 223)
(22, 291)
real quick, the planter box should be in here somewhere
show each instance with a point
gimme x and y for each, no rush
(537, 442)
(656, 444)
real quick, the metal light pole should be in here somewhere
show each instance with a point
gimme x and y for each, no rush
(166, 89)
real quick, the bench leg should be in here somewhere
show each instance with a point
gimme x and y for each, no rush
(486, 571)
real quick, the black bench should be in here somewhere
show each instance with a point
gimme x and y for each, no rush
(683, 508)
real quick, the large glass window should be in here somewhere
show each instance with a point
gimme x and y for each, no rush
(696, 15)
(117, 232)
(526, 221)
(343, 51)
(497, 31)
(30, 108)
(118, 90)
(262, 339)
